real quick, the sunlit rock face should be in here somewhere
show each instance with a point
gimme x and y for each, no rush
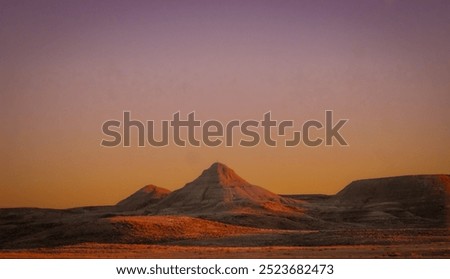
(218, 189)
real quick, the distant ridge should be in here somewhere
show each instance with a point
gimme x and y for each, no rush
(398, 188)
(409, 198)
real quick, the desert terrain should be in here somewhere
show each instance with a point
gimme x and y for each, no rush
(221, 215)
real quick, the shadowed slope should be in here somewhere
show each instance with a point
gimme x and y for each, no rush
(421, 199)
(145, 196)
(122, 229)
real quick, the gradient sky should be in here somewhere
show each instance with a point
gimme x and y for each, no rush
(68, 66)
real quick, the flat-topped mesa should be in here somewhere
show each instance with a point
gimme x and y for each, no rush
(425, 196)
(399, 188)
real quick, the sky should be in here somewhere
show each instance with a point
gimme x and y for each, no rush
(66, 67)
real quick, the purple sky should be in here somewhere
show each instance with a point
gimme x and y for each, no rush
(68, 66)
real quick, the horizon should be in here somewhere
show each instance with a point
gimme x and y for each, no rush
(230, 168)
(67, 68)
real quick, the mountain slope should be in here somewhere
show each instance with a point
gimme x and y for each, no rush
(218, 190)
(147, 195)
(418, 199)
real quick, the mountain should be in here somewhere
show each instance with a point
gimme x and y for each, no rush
(219, 189)
(221, 207)
(220, 194)
(147, 195)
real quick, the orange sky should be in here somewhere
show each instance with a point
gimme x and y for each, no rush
(67, 68)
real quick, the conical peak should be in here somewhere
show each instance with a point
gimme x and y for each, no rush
(217, 189)
(220, 173)
(219, 168)
(152, 188)
(217, 165)
(148, 188)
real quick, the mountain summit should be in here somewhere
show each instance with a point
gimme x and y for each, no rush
(218, 189)
(221, 174)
